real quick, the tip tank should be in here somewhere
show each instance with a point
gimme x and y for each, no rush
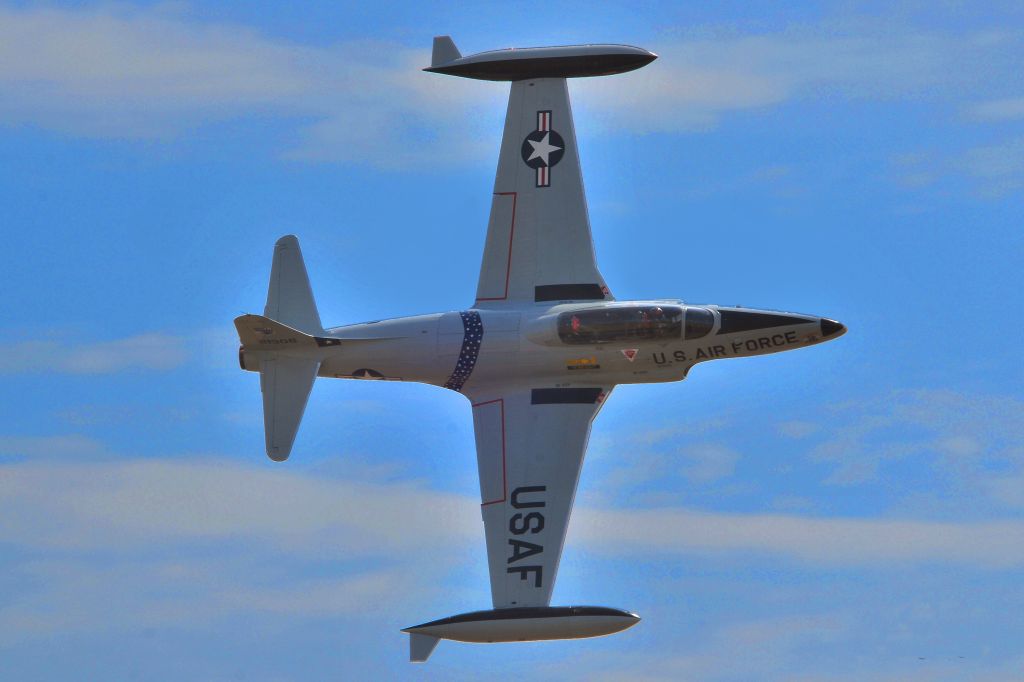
(564, 61)
(520, 624)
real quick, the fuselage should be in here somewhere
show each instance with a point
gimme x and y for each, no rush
(571, 344)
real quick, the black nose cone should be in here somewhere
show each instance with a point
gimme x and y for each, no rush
(830, 328)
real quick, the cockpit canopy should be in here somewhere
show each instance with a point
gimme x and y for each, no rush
(632, 324)
(699, 321)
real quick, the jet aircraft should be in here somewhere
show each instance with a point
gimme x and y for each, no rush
(537, 354)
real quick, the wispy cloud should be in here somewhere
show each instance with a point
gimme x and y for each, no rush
(132, 538)
(148, 73)
(152, 351)
(833, 541)
(753, 649)
(806, 647)
(998, 169)
(83, 595)
(992, 171)
(797, 429)
(46, 446)
(139, 502)
(698, 81)
(151, 73)
(145, 502)
(707, 462)
(656, 455)
(957, 433)
(1006, 109)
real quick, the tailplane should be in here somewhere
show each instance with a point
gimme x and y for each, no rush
(283, 345)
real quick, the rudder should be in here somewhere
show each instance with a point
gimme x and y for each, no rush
(289, 296)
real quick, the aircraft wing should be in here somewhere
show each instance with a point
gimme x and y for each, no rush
(539, 247)
(530, 445)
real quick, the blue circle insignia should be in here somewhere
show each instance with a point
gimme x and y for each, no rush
(543, 148)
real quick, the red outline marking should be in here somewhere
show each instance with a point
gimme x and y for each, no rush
(504, 473)
(511, 234)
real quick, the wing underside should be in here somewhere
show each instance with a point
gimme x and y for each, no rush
(530, 448)
(539, 247)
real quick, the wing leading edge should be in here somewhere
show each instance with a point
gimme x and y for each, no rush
(530, 447)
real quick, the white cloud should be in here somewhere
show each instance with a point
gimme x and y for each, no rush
(116, 544)
(755, 649)
(119, 544)
(992, 171)
(1006, 109)
(1008, 489)
(964, 434)
(708, 462)
(998, 168)
(832, 541)
(145, 73)
(797, 429)
(45, 446)
(146, 503)
(697, 81)
(118, 593)
(148, 73)
(796, 648)
(151, 351)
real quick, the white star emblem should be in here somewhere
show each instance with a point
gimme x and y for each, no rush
(542, 150)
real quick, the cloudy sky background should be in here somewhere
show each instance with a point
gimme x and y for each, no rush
(847, 512)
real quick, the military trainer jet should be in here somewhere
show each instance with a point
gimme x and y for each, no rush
(537, 353)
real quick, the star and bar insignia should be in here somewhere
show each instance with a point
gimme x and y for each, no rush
(543, 148)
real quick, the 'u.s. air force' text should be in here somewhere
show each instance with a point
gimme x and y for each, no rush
(733, 348)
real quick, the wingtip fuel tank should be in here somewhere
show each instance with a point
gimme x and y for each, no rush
(513, 64)
(519, 624)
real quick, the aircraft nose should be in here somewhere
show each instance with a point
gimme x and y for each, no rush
(830, 328)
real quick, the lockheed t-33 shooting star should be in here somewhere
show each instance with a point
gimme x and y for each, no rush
(537, 354)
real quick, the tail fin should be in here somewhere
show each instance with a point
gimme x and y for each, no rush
(421, 646)
(289, 297)
(287, 361)
(282, 345)
(286, 383)
(444, 51)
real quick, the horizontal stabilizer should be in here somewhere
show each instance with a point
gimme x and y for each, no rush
(262, 333)
(286, 383)
(444, 51)
(421, 646)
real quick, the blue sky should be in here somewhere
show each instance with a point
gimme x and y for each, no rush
(847, 512)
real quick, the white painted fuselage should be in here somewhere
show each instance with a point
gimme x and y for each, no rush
(525, 347)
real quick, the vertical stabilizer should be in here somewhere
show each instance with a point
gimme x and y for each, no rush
(421, 646)
(289, 297)
(286, 383)
(444, 51)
